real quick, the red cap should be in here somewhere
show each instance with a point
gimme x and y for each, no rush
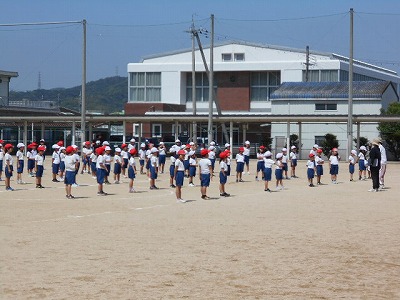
(69, 149)
(87, 143)
(223, 154)
(182, 152)
(241, 149)
(334, 150)
(60, 143)
(100, 150)
(8, 146)
(187, 146)
(262, 147)
(124, 145)
(319, 151)
(41, 148)
(1, 141)
(204, 152)
(311, 155)
(34, 144)
(133, 151)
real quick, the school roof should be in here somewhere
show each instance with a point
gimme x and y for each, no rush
(337, 90)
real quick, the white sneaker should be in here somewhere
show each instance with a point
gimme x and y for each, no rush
(191, 184)
(131, 190)
(248, 173)
(373, 190)
(75, 185)
(116, 182)
(94, 177)
(180, 201)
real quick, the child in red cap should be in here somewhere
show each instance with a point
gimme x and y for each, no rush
(39, 160)
(223, 173)
(8, 170)
(70, 171)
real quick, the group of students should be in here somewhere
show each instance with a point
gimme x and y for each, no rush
(96, 160)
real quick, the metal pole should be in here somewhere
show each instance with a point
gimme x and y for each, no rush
(358, 135)
(194, 105)
(350, 109)
(83, 107)
(211, 84)
(32, 128)
(25, 135)
(90, 137)
(123, 131)
(231, 137)
(300, 141)
(288, 135)
(73, 133)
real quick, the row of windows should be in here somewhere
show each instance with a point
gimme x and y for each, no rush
(145, 87)
(333, 76)
(236, 56)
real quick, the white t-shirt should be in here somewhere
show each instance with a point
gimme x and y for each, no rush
(293, 155)
(132, 162)
(99, 162)
(239, 158)
(352, 160)
(223, 166)
(56, 158)
(334, 160)
(9, 158)
(76, 156)
(278, 164)
(93, 157)
(142, 154)
(70, 163)
(284, 158)
(161, 151)
(192, 162)
(107, 159)
(211, 155)
(246, 151)
(383, 155)
(310, 164)
(124, 154)
(180, 165)
(39, 160)
(319, 160)
(20, 155)
(204, 165)
(62, 156)
(268, 163)
(154, 161)
(1, 154)
(361, 156)
(117, 159)
(260, 156)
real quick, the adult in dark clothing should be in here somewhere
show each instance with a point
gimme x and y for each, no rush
(375, 165)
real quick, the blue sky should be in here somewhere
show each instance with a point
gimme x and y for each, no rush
(120, 32)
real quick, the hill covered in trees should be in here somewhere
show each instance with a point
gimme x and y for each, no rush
(105, 95)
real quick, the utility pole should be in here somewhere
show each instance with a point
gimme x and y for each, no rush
(350, 104)
(83, 103)
(307, 62)
(39, 81)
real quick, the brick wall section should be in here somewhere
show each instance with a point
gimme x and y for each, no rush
(233, 91)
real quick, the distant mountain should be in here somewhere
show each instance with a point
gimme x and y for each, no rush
(105, 95)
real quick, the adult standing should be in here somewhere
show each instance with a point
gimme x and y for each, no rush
(375, 165)
(382, 170)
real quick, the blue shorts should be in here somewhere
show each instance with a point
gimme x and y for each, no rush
(228, 172)
(294, 162)
(205, 179)
(171, 170)
(153, 172)
(239, 167)
(126, 162)
(278, 174)
(334, 169)
(69, 177)
(31, 164)
(131, 173)
(260, 166)
(212, 163)
(267, 174)
(351, 168)
(117, 169)
(8, 171)
(84, 160)
(361, 165)
(93, 167)
(108, 167)
(222, 178)
(1, 165)
(320, 170)
(161, 159)
(246, 159)
(55, 168)
(180, 175)
(39, 172)
(100, 174)
(310, 173)
(20, 169)
(192, 171)
(62, 166)
(141, 162)
(186, 164)
(284, 167)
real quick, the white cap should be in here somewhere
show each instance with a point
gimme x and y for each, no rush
(211, 148)
(354, 152)
(105, 143)
(177, 141)
(74, 146)
(247, 143)
(284, 149)
(191, 144)
(363, 148)
(117, 149)
(279, 155)
(97, 142)
(132, 140)
(41, 140)
(154, 150)
(107, 148)
(62, 148)
(268, 154)
(227, 145)
(142, 145)
(161, 143)
(315, 146)
(20, 145)
(293, 147)
(191, 153)
(183, 147)
(55, 146)
(212, 144)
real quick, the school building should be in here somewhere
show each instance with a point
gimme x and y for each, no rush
(256, 80)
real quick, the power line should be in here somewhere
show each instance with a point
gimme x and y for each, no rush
(145, 25)
(283, 19)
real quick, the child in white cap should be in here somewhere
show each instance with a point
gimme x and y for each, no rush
(142, 156)
(153, 170)
(107, 163)
(161, 157)
(192, 166)
(268, 163)
(334, 165)
(361, 163)
(55, 162)
(285, 163)
(293, 161)
(246, 154)
(117, 166)
(352, 162)
(9, 168)
(319, 162)
(20, 163)
(62, 152)
(279, 172)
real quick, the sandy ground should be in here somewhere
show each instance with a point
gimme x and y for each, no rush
(327, 242)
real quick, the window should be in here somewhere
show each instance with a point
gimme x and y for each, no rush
(202, 89)
(226, 57)
(145, 87)
(239, 56)
(174, 129)
(325, 106)
(263, 84)
(156, 130)
(136, 128)
(319, 139)
(321, 76)
(344, 76)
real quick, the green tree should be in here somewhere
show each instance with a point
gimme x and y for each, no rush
(329, 143)
(294, 141)
(390, 132)
(363, 141)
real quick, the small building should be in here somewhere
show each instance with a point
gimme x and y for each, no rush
(5, 77)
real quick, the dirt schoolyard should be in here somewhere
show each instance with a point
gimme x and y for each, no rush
(327, 242)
